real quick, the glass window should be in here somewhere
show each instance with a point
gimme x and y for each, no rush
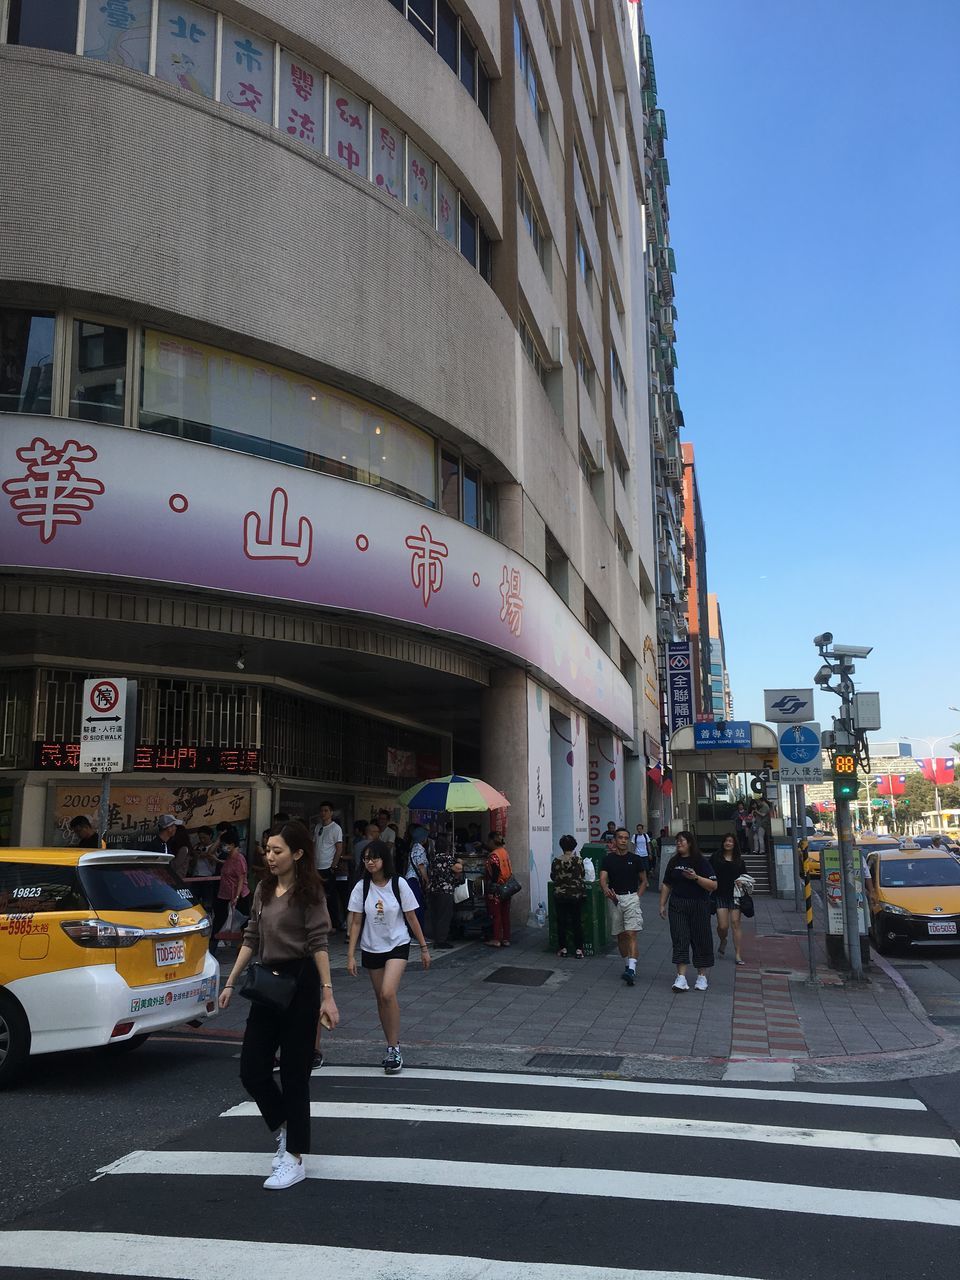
(420, 13)
(301, 100)
(186, 46)
(447, 34)
(27, 888)
(483, 91)
(468, 64)
(387, 157)
(447, 215)
(471, 496)
(468, 232)
(246, 71)
(218, 397)
(348, 129)
(98, 372)
(118, 31)
(489, 511)
(398, 5)
(44, 24)
(450, 484)
(420, 182)
(485, 262)
(26, 361)
(138, 887)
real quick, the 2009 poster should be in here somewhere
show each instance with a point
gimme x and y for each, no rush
(135, 808)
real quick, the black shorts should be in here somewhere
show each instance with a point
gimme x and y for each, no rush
(378, 959)
(727, 904)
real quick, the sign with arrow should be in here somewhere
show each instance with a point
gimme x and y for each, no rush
(102, 726)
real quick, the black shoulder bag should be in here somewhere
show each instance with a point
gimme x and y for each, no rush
(265, 986)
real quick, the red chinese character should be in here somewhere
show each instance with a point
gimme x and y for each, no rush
(349, 155)
(419, 173)
(250, 96)
(301, 125)
(342, 111)
(302, 82)
(73, 755)
(167, 758)
(143, 758)
(388, 142)
(511, 607)
(187, 758)
(444, 209)
(229, 761)
(426, 563)
(53, 491)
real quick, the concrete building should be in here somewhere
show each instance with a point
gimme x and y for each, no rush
(325, 373)
(721, 699)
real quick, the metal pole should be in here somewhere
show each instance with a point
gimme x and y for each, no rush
(103, 813)
(795, 842)
(893, 802)
(851, 910)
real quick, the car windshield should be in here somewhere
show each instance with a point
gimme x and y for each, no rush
(135, 887)
(919, 873)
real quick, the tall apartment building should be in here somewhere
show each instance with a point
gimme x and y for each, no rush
(721, 699)
(695, 558)
(324, 346)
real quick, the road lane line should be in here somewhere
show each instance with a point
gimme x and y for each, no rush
(691, 1089)
(611, 1184)
(189, 1258)
(651, 1126)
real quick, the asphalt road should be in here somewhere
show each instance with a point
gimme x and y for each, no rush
(419, 1176)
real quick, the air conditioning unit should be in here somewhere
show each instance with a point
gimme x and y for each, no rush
(556, 346)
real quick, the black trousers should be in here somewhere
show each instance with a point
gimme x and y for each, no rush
(333, 899)
(293, 1032)
(569, 921)
(690, 931)
(441, 912)
(221, 910)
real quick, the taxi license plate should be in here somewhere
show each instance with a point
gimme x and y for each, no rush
(942, 926)
(170, 953)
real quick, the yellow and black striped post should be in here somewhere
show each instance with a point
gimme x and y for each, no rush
(808, 908)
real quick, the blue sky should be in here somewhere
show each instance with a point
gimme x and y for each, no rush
(815, 200)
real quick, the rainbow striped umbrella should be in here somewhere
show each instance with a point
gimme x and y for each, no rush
(454, 794)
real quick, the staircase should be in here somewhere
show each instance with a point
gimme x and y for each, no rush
(758, 864)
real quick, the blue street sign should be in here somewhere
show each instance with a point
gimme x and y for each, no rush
(734, 734)
(800, 744)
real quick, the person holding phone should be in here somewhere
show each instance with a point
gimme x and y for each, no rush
(688, 881)
(288, 931)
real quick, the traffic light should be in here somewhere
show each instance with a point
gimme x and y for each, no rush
(846, 784)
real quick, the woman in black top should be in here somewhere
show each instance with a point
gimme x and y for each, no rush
(728, 867)
(688, 881)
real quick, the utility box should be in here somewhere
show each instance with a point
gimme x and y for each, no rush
(866, 711)
(593, 919)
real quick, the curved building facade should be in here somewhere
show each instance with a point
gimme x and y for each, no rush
(324, 409)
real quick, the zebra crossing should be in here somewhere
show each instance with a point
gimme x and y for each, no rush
(446, 1175)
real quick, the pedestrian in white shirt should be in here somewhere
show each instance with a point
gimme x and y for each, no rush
(328, 842)
(382, 917)
(641, 844)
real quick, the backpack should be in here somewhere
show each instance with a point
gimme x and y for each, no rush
(394, 885)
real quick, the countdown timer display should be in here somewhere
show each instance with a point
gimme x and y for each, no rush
(844, 764)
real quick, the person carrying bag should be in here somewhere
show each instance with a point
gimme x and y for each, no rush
(501, 886)
(286, 966)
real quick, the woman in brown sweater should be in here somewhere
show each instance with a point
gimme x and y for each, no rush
(287, 932)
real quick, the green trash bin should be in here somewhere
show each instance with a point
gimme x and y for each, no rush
(593, 912)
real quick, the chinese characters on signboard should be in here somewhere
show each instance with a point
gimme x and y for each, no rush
(447, 212)
(118, 31)
(187, 46)
(348, 130)
(301, 100)
(731, 733)
(62, 757)
(135, 808)
(679, 684)
(246, 72)
(387, 157)
(419, 182)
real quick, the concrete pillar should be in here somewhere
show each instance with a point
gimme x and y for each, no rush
(504, 756)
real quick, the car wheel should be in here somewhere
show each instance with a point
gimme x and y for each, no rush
(127, 1046)
(878, 942)
(14, 1041)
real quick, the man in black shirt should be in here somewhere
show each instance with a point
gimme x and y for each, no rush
(623, 878)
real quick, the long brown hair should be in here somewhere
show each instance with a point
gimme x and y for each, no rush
(307, 885)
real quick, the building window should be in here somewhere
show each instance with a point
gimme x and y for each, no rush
(26, 361)
(531, 221)
(450, 484)
(187, 46)
(98, 372)
(584, 265)
(620, 465)
(485, 263)
(557, 567)
(468, 64)
(533, 352)
(44, 24)
(447, 34)
(471, 496)
(468, 232)
(527, 69)
(585, 370)
(420, 14)
(617, 379)
(119, 33)
(623, 545)
(441, 28)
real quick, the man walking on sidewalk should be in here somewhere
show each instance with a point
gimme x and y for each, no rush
(623, 878)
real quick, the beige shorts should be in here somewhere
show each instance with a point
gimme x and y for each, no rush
(626, 916)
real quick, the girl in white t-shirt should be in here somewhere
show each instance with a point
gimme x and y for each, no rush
(383, 914)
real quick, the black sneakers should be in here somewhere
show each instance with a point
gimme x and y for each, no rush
(393, 1060)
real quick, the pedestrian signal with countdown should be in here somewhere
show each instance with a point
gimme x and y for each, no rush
(845, 781)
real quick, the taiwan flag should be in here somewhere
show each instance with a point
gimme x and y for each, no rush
(655, 774)
(890, 784)
(938, 771)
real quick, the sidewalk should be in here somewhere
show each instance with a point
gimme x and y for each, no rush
(524, 1008)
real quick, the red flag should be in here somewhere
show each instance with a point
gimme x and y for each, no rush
(890, 784)
(667, 787)
(656, 777)
(939, 771)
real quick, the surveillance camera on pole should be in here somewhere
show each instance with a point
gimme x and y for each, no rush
(849, 749)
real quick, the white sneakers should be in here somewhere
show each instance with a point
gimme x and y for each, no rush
(681, 984)
(286, 1174)
(281, 1147)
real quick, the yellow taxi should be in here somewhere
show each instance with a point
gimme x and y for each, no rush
(866, 845)
(97, 947)
(916, 897)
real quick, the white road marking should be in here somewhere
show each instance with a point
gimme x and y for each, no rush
(652, 1126)
(614, 1184)
(692, 1089)
(187, 1258)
